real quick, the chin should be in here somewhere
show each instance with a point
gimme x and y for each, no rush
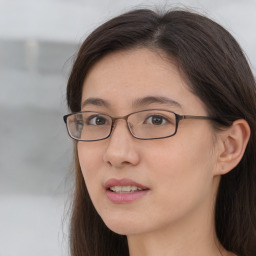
(122, 227)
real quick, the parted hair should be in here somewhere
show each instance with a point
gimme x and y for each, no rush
(217, 71)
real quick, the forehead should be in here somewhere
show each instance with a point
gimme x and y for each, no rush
(124, 77)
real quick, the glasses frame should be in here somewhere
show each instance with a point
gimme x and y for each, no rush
(114, 119)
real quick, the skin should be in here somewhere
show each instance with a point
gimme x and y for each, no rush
(176, 216)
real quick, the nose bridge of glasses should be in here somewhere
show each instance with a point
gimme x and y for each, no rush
(124, 118)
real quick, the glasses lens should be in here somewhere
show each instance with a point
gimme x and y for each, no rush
(89, 126)
(152, 124)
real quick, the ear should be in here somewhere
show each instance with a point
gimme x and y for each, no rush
(231, 146)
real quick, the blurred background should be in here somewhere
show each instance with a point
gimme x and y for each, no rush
(38, 40)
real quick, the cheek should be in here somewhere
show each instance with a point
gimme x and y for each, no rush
(90, 160)
(183, 167)
(181, 154)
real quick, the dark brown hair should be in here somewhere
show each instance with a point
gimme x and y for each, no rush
(217, 71)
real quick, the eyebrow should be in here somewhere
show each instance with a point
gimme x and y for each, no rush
(141, 102)
(156, 99)
(95, 102)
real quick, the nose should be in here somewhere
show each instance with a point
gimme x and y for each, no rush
(121, 149)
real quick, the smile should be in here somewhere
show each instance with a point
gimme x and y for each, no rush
(120, 191)
(125, 189)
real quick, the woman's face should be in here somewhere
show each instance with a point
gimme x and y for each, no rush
(176, 174)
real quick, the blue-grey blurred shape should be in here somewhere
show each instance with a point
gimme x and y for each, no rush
(35, 152)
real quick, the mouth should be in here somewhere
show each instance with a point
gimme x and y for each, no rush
(124, 190)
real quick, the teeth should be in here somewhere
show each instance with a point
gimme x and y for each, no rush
(125, 189)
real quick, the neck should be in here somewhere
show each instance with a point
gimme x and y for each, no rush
(192, 235)
(188, 240)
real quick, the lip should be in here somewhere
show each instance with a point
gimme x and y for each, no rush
(121, 198)
(123, 182)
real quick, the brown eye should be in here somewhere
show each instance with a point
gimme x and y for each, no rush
(155, 120)
(96, 120)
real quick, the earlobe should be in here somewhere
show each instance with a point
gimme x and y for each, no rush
(233, 144)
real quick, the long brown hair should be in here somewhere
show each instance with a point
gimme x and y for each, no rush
(218, 73)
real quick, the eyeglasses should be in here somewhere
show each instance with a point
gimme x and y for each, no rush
(144, 125)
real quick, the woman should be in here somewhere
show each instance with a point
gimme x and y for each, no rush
(163, 117)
